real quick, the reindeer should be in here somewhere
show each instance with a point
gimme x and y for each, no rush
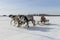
(27, 19)
(14, 19)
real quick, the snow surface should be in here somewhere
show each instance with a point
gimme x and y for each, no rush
(38, 32)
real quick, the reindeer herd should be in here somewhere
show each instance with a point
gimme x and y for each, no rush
(22, 19)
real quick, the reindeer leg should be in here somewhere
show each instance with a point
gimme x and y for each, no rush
(27, 25)
(15, 23)
(18, 24)
(11, 21)
(33, 22)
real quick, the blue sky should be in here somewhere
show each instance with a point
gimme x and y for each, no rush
(29, 6)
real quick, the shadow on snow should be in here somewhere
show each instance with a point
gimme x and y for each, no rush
(43, 29)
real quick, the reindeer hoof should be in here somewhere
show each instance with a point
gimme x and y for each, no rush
(18, 26)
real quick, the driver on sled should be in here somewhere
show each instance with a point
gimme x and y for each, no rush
(43, 19)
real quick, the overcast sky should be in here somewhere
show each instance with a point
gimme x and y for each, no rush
(29, 6)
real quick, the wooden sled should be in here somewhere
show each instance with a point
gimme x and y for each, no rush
(46, 22)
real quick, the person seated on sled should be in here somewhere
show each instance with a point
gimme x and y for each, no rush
(43, 19)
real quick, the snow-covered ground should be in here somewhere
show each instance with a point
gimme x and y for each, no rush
(38, 32)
